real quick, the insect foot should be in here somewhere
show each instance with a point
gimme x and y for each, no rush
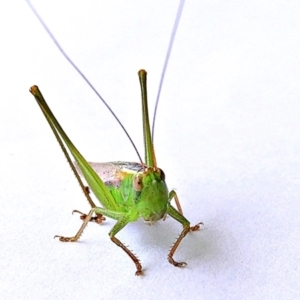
(97, 219)
(196, 227)
(139, 273)
(175, 263)
(65, 239)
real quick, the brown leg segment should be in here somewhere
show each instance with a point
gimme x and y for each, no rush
(130, 254)
(184, 232)
(186, 228)
(80, 231)
(174, 248)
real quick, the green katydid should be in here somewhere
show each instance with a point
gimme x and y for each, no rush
(126, 191)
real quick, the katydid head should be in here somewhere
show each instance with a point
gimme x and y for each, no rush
(151, 194)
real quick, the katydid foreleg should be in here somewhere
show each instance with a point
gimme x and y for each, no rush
(171, 211)
(123, 220)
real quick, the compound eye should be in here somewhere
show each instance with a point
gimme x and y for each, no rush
(162, 174)
(137, 183)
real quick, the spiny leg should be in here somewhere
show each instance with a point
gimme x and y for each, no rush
(130, 254)
(122, 222)
(80, 231)
(87, 218)
(186, 228)
(86, 190)
(174, 248)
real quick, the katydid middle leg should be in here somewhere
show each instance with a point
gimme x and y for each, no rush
(122, 220)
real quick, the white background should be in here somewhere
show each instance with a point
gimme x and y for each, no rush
(227, 137)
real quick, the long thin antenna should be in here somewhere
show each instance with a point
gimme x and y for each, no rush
(82, 75)
(179, 12)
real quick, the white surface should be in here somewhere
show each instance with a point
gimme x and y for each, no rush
(227, 137)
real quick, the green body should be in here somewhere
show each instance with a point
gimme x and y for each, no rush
(137, 194)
